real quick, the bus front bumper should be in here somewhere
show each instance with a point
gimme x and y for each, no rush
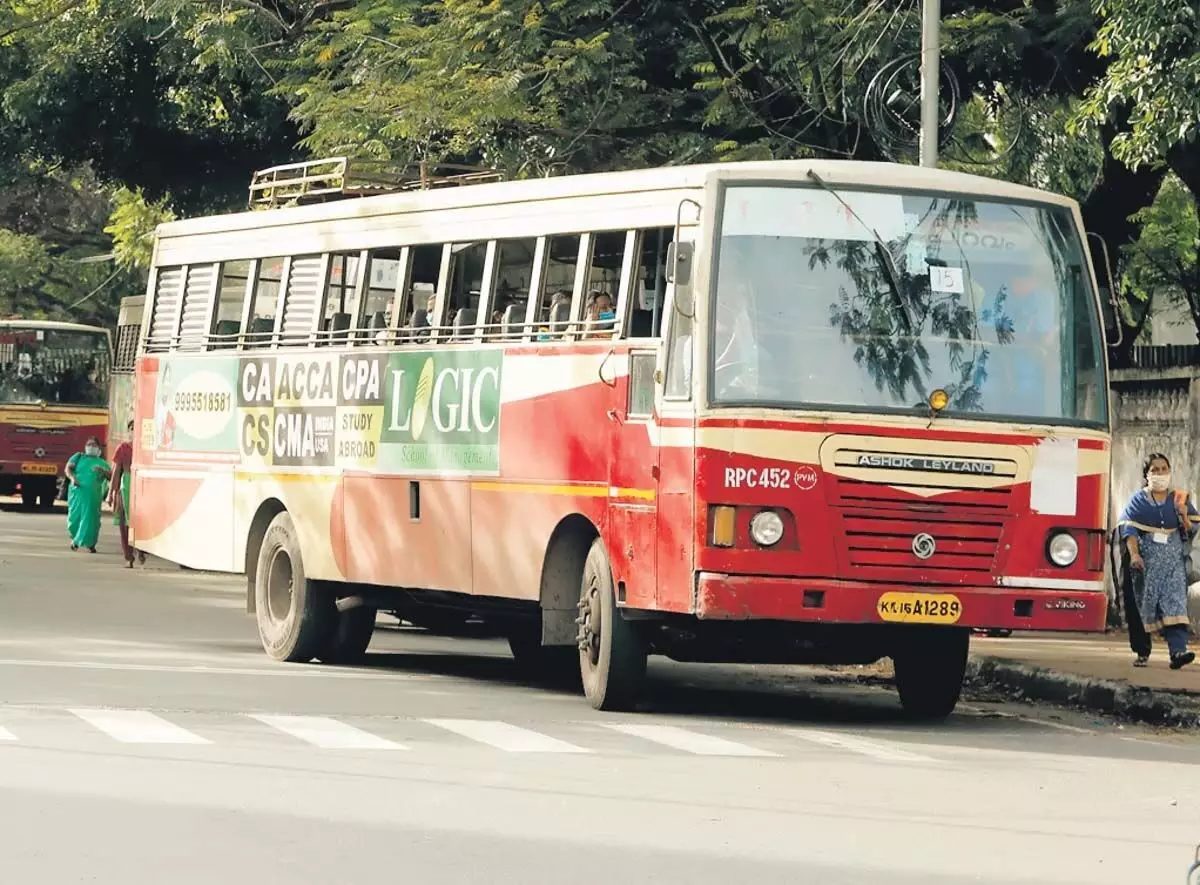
(1075, 606)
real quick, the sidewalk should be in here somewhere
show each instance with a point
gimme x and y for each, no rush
(1094, 672)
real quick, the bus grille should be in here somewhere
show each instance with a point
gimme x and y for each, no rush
(880, 524)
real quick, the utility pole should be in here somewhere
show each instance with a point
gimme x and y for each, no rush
(931, 69)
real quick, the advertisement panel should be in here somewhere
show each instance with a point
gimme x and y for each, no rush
(422, 411)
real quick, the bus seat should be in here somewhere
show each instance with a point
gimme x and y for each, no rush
(510, 324)
(260, 331)
(226, 334)
(463, 320)
(558, 319)
(339, 327)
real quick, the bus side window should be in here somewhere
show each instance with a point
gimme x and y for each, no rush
(466, 280)
(265, 303)
(640, 403)
(510, 297)
(649, 284)
(554, 300)
(374, 315)
(680, 348)
(600, 289)
(342, 292)
(426, 273)
(230, 301)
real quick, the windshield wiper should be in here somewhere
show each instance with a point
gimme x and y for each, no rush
(882, 254)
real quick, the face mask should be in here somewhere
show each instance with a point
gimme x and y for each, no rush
(94, 451)
(608, 315)
(1160, 481)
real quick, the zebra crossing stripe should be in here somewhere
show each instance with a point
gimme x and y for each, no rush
(688, 741)
(850, 743)
(327, 733)
(137, 727)
(503, 736)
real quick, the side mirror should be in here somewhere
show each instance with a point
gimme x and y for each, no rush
(679, 263)
(1113, 330)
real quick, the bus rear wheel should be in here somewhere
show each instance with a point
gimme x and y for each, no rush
(612, 656)
(930, 665)
(295, 616)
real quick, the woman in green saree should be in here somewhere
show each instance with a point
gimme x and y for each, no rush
(88, 473)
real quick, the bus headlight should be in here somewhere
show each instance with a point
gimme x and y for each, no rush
(1063, 549)
(766, 528)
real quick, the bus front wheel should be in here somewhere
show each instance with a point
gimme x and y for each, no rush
(930, 664)
(612, 656)
(295, 615)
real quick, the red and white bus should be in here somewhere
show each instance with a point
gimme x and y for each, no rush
(837, 411)
(54, 380)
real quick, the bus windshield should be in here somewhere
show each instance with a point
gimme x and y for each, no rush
(53, 366)
(855, 300)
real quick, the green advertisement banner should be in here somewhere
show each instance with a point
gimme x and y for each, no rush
(423, 411)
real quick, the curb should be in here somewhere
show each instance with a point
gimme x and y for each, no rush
(1153, 706)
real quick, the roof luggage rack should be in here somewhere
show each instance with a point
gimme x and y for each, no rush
(336, 178)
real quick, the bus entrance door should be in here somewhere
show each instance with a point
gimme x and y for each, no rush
(633, 484)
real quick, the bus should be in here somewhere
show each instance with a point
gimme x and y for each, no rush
(775, 411)
(54, 380)
(121, 386)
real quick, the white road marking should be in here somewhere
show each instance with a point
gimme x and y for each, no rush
(6, 735)
(137, 727)
(504, 736)
(875, 749)
(329, 734)
(688, 741)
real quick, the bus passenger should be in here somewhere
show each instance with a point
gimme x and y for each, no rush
(601, 317)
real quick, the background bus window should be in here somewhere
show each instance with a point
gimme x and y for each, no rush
(603, 279)
(649, 284)
(230, 300)
(379, 298)
(554, 300)
(265, 302)
(341, 295)
(514, 271)
(466, 281)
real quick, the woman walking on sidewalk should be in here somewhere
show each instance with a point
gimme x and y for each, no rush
(1154, 525)
(87, 472)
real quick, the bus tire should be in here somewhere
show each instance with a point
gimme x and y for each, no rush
(612, 655)
(295, 616)
(930, 665)
(348, 640)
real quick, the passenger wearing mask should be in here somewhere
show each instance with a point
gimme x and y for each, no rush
(87, 472)
(1155, 524)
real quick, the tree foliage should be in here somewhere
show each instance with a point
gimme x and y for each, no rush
(168, 105)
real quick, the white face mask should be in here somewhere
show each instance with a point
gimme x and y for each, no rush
(94, 451)
(1159, 482)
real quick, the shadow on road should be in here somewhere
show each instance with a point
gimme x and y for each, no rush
(760, 694)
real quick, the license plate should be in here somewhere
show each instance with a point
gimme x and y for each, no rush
(919, 608)
(40, 469)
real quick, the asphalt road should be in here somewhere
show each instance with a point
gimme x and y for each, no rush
(144, 738)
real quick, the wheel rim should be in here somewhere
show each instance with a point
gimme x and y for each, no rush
(591, 622)
(279, 586)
